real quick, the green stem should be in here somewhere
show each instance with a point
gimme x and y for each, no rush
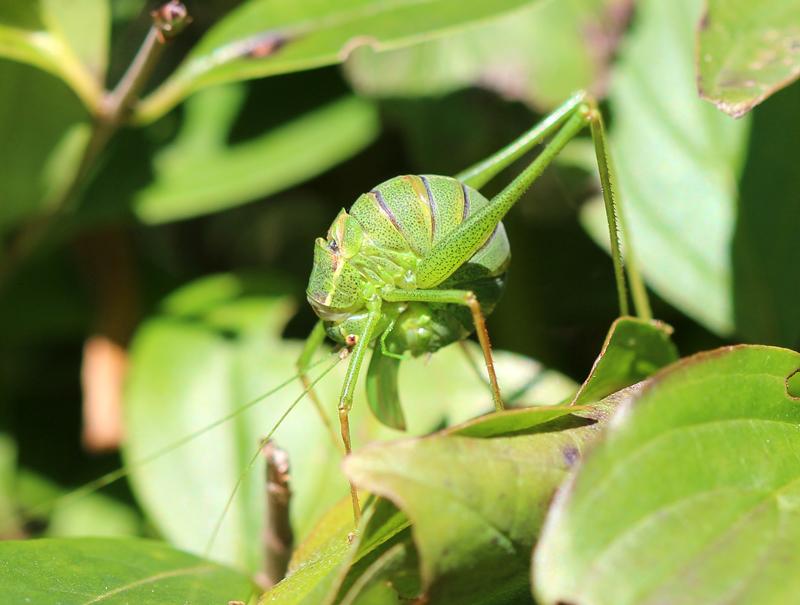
(601, 151)
(641, 302)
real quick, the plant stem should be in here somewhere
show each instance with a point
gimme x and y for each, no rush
(278, 537)
(601, 151)
(641, 302)
(114, 111)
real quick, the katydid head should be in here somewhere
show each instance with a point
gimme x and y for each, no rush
(335, 288)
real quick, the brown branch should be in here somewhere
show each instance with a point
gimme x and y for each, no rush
(278, 537)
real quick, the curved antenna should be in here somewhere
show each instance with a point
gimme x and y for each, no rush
(109, 478)
(212, 539)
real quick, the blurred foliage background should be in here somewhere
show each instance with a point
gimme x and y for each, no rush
(246, 173)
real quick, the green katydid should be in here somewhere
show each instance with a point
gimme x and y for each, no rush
(419, 260)
(442, 298)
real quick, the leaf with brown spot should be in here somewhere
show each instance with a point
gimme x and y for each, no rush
(746, 51)
(692, 495)
(476, 504)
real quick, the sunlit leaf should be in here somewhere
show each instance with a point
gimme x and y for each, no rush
(507, 422)
(633, 350)
(331, 559)
(746, 51)
(540, 55)
(268, 37)
(476, 504)
(678, 160)
(68, 38)
(691, 494)
(200, 173)
(76, 571)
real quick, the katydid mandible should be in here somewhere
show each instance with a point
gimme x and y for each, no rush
(419, 261)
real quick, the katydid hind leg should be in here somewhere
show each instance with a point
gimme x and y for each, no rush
(461, 243)
(482, 172)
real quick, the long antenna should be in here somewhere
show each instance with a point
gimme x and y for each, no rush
(310, 386)
(109, 478)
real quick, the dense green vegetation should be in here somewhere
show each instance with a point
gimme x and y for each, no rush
(156, 242)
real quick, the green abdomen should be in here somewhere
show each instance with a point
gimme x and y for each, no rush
(414, 213)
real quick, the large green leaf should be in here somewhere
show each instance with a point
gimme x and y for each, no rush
(68, 38)
(217, 346)
(746, 51)
(691, 496)
(309, 33)
(540, 55)
(477, 504)
(199, 173)
(44, 130)
(77, 571)
(677, 160)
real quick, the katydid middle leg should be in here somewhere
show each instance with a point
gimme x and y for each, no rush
(468, 299)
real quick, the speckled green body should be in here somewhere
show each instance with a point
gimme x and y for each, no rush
(381, 247)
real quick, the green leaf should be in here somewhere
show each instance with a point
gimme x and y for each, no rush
(766, 246)
(218, 346)
(68, 38)
(746, 51)
(506, 422)
(633, 350)
(678, 161)
(321, 565)
(76, 571)
(199, 173)
(309, 34)
(45, 130)
(691, 496)
(539, 55)
(476, 504)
